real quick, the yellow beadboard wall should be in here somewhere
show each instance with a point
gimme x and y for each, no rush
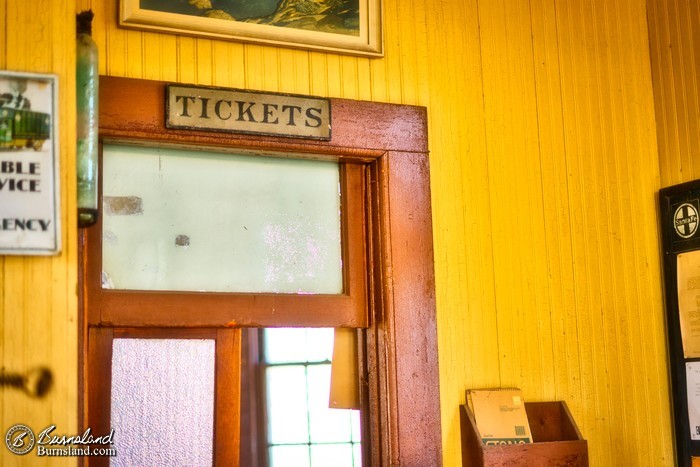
(38, 300)
(674, 36)
(544, 169)
(674, 42)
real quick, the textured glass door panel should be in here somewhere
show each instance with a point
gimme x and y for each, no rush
(163, 401)
(189, 220)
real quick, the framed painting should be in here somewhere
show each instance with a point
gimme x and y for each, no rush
(29, 191)
(340, 26)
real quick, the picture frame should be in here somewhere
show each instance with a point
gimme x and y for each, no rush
(338, 26)
(29, 164)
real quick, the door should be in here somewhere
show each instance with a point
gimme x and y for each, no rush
(387, 289)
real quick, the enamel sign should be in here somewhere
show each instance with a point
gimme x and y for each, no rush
(29, 219)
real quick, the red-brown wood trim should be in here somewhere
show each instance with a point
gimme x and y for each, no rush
(136, 109)
(376, 351)
(402, 345)
(409, 311)
(227, 427)
(99, 387)
(251, 394)
(261, 382)
(353, 235)
(199, 309)
(82, 336)
(227, 381)
(164, 333)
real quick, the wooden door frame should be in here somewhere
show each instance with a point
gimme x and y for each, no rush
(226, 427)
(399, 347)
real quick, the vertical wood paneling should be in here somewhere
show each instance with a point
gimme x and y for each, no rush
(298, 82)
(378, 81)
(579, 87)
(556, 220)
(467, 324)
(364, 75)
(674, 35)
(38, 303)
(3, 32)
(333, 76)
(350, 85)
(272, 68)
(674, 43)
(252, 57)
(134, 54)
(205, 59)
(566, 172)
(610, 119)
(168, 48)
(318, 85)
(152, 52)
(115, 37)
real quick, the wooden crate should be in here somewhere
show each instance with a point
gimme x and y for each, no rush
(557, 440)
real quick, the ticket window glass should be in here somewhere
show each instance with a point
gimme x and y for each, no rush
(191, 220)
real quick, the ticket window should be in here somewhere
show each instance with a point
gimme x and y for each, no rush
(188, 236)
(203, 235)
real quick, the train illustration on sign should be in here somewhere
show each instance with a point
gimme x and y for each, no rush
(21, 127)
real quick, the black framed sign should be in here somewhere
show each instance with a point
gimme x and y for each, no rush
(680, 227)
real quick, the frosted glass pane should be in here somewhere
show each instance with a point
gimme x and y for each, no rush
(291, 345)
(325, 425)
(191, 220)
(163, 401)
(337, 455)
(290, 456)
(286, 405)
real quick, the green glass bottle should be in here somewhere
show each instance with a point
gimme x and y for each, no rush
(87, 92)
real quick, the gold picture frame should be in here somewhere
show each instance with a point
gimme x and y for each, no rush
(340, 26)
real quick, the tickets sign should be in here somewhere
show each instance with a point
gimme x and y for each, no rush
(236, 111)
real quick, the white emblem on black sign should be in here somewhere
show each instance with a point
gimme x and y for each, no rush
(685, 220)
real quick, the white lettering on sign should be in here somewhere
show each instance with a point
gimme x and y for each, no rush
(685, 220)
(231, 110)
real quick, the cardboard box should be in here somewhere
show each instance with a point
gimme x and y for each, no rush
(557, 440)
(500, 415)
